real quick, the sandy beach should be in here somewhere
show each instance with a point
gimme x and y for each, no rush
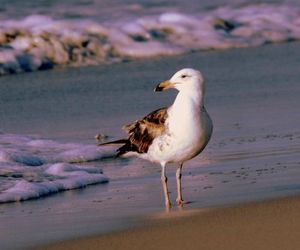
(266, 225)
(253, 99)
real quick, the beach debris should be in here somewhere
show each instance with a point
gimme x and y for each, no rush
(101, 137)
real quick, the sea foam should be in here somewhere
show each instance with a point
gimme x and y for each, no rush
(41, 42)
(31, 168)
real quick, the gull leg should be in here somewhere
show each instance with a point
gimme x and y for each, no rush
(179, 199)
(164, 180)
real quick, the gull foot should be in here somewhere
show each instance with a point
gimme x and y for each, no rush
(179, 202)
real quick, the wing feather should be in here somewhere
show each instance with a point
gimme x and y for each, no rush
(142, 132)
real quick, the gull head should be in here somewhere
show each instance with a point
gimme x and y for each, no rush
(187, 79)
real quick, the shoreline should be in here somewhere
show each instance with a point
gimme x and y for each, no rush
(273, 224)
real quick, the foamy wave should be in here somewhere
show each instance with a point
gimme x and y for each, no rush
(40, 42)
(31, 168)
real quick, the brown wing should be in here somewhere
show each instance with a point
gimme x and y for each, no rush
(142, 132)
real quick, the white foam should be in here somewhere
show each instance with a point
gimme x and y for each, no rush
(84, 154)
(31, 168)
(41, 42)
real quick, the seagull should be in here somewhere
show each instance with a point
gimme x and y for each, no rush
(173, 134)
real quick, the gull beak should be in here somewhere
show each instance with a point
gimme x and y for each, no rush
(164, 85)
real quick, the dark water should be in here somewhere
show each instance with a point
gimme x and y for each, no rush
(105, 10)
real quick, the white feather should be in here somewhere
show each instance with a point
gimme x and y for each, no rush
(188, 126)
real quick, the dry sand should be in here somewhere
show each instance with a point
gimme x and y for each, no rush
(266, 225)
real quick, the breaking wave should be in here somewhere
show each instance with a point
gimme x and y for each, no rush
(40, 42)
(31, 168)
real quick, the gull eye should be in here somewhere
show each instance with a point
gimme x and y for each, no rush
(183, 76)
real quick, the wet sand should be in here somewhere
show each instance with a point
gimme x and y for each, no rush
(253, 99)
(266, 225)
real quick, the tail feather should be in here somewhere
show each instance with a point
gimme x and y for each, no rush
(117, 142)
(125, 144)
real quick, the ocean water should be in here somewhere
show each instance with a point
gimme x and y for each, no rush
(49, 120)
(43, 35)
(31, 168)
